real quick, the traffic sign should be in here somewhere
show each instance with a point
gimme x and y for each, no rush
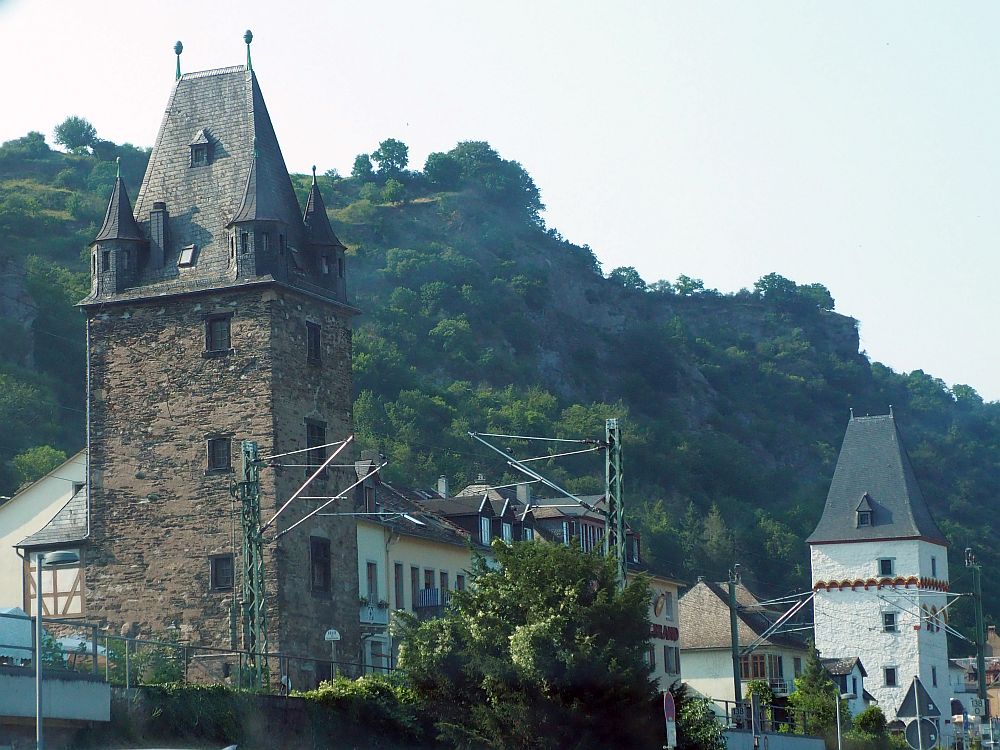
(670, 716)
(909, 709)
(928, 734)
(978, 706)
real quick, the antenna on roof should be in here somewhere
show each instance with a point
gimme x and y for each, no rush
(178, 48)
(248, 37)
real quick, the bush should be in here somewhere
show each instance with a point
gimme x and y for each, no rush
(380, 703)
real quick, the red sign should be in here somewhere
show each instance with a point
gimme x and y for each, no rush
(669, 712)
(664, 632)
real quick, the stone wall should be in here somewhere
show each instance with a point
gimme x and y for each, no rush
(158, 514)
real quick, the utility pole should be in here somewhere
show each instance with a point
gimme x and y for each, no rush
(977, 593)
(254, 601)
(734, 631)
(614, 521)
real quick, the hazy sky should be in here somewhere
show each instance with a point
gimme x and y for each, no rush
(853, 144)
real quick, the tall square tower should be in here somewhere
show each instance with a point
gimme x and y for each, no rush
(218, 313)
(880, 570)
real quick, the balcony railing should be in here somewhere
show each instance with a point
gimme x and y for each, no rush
(372, 614)
(431, 598)
(778, 685)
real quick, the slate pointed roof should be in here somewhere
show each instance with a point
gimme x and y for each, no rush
(317, 223)
(119, 223)
(260, 202)
(873, 462)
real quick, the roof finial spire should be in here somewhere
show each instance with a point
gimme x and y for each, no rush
(314, 174)
(852, 412)
(890, 411)
(248, 37)
(178, 48)
(118, 166)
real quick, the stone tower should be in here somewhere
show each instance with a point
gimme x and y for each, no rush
(218, 313)
(880, 570)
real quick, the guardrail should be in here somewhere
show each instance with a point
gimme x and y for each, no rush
(132, 662)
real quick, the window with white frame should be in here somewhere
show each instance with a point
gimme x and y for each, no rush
(484, 529)
(507, 530)
(889, 624)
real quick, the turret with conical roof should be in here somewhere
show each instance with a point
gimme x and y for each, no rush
(325, 249)
(115, 250)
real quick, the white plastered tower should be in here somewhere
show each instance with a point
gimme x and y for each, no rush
(880, 571)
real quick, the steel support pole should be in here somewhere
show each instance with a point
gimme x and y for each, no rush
(734, 635)
(614, 522)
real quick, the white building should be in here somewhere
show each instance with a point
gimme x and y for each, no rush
(880, 570)
(24, 517)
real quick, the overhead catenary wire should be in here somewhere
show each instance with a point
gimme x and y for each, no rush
(310, 448)
(341, 496)
(305, 484)
(584, 441)
(559, 455)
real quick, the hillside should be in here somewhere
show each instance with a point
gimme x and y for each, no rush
(478, 317)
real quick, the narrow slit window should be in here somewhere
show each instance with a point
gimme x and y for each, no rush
(313, 342)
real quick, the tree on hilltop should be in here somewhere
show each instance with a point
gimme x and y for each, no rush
(76, 134)
(392, 156)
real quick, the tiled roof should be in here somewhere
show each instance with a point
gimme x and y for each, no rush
(704, 619)
(873, 461)
(843, 666)
(68, 525)
(119, 223)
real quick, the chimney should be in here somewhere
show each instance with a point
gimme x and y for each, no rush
(524, 493)
(443, 486)
(157, 234)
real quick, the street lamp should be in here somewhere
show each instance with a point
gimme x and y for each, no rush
(840, 696)
(52, 558)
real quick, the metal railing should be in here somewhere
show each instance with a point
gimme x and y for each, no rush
(770, 718)
(133, 662)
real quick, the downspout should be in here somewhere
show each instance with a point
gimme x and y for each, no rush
(87, 411)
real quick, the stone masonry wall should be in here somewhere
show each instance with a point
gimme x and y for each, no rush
(157, 513)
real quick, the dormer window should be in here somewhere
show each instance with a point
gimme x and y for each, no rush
(865, 511)
(326, 265)
(864, 518)
(199, 149)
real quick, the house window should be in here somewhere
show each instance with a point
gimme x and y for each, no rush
(934, 676)
(186, 258)
(428, 579)
(371, 506)
(864, 518)
(217, 333)
(889, 622)
(315, 442)
(444, 580)
(319, 563)
(651, 658)
(199, 155)
(414, 585)
(460, 582)
(758, 670)
(221, 573)
(668, 605)
(565, 532)
(797, 665)
(263, 241)
(372, 578)
(529, 533)
(313, 340)
(397, 581)
(105, 260)
(484, 529)
(325, 264)
(933, 567)
(671, 660)
(508, 532)
(886, 566)
(890, 677)
(244, 243)
(854, 686)
(219, 458)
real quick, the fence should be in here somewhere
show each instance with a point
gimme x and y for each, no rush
(770, 718)
(131, 662)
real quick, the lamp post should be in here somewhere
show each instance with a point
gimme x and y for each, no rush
(53, 558)
(840, 696)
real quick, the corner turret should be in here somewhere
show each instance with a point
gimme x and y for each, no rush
(115, 251)
(324, 247)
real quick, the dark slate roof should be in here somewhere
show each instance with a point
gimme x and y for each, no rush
(258, 202)
(704, 619)
(843, 666)
(68, 525)
(119, 223)
(873, 461)
(436, 527)
(316, 221)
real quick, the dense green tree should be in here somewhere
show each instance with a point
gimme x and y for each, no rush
(393, 191)
(76, 134)
(392, 156)
(686, 286)
(442, 170)
(698, 728)
(815, 699)
(628, 277)
(543, 639)
(36, 462)
(362, 169)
